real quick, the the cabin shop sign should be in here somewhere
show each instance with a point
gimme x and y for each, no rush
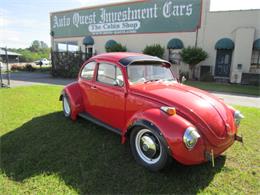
(141, 17)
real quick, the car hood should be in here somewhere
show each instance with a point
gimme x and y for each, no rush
(207, 112)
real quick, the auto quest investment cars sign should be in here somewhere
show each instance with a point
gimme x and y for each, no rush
(154, 16)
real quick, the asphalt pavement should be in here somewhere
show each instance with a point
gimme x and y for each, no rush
(28, 79)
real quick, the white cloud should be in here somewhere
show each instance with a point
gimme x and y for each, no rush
(11, 38)
(4, 22)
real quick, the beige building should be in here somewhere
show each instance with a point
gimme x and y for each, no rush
(231, 38)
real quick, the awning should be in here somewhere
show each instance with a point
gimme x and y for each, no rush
(110, 43)
(175, 44)
(225, 43)
(257, 44)
(88, 40)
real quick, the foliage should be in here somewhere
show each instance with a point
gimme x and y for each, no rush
(42, 152)
(154, 50)
(116, 48)
(226, 87)
(27, 67)
(193, 55)
(36, 51)
(16, 67)
(67, 64)
(37, 46)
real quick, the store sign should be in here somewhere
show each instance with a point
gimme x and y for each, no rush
(154, 16)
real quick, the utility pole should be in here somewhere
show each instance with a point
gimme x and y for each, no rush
(197, 34)
(1, 78)
(7, 67)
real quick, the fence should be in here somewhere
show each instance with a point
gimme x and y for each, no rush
(67, 64)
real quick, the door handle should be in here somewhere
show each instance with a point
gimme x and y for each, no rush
(93, 87)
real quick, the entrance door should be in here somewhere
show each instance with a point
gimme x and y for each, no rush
(223, 63)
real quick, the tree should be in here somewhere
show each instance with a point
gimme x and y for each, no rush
(193, 56)
(38, 46)
(116, 48)
(43, 45)
(35, 47)
(154, 50)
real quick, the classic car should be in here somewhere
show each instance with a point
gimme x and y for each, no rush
(138, 97)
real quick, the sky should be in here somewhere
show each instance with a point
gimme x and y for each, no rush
(22, 21)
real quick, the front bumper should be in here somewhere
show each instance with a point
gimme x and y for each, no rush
(203, 151)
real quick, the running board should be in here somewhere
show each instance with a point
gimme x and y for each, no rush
(98, 122)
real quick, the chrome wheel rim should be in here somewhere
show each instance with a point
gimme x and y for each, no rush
(66, 106)
(148, 146)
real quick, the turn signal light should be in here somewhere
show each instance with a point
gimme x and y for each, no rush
(169, 110)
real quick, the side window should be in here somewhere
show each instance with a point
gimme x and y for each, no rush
(88, 71)
(110, 74)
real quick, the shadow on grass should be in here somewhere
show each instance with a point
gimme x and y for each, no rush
(91, 160)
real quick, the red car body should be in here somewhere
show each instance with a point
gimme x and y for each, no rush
(120, 109)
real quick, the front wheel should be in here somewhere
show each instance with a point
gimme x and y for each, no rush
(66, 106)
(148, 149)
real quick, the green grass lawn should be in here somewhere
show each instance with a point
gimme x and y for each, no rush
(226, 87)
(44, 153)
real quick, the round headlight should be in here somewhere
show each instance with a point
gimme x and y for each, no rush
(190, 137)
(237, 117)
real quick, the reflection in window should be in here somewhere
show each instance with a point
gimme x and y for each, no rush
(255, 60)
(88, 71)
(67, 47)
(226, 59)
(142, 73)
(110, 74)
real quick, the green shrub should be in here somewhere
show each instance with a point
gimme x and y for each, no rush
(154, 50)
(29, 68)
(116, 48)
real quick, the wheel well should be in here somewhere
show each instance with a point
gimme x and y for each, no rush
(149, 125)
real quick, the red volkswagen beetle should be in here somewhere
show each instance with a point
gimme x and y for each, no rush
(138, 97)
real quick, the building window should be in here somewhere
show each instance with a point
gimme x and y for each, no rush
(67, 47)
(255, 60)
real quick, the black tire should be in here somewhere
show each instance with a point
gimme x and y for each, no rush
(66, 106)
(160, 159)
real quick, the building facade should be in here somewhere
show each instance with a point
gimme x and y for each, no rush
(231, 38)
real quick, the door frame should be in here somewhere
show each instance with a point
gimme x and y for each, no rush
(223, 52)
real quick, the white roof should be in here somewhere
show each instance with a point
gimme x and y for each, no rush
(10, 53)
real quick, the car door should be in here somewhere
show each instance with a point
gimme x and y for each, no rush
(86, 79)
(109, 95)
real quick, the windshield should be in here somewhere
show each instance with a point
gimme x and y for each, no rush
(147, 73)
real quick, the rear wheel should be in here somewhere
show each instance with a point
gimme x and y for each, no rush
(66, 106)
(148, 149)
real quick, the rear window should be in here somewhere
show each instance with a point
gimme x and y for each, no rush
(150, 72)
